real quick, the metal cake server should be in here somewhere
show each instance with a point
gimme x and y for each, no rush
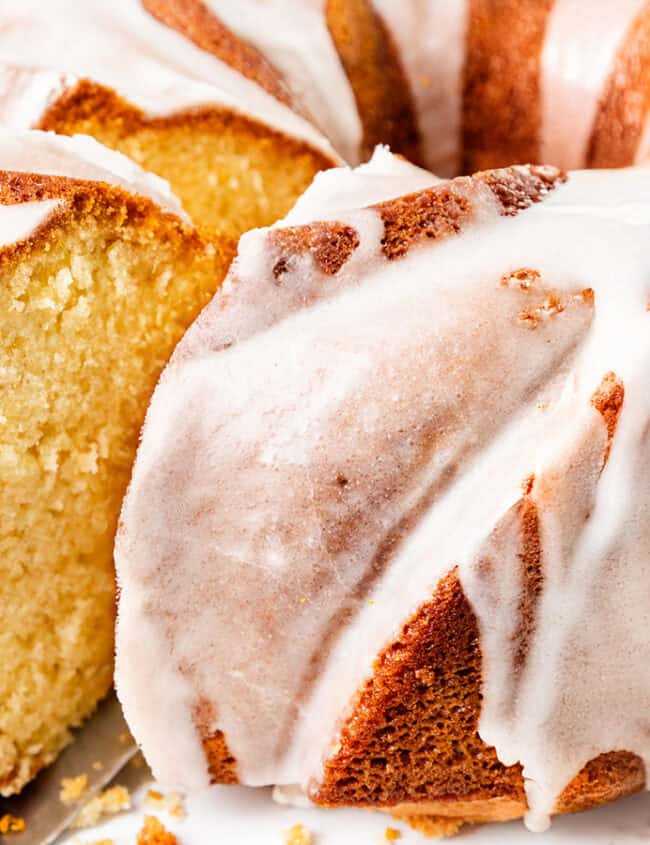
(104, 739)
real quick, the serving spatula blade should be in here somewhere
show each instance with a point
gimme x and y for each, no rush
(100, 748)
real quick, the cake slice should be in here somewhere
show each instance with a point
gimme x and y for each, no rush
(388, 532)
(219, 124)
(101, 272)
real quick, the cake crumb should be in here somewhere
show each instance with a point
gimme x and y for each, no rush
(153, 832)
(97, 766)
(108, 803)
(175, 805)
(434, 827)
(298, 835)
(391, 834)
(11, 824)
(73, 788)
(524, 278)
(125, 738)
(172, 802)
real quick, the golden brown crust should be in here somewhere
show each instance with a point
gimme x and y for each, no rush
(331, 244)
(530, 554)
(371, 63)
(195, 21)
(501, 96)
(518, 188)
(221, 764)
(364, 45)
(433, 214)
(442, 211)
(608, 401)
(86, 197)
(431, 678)
(624, 107)
(88, 101)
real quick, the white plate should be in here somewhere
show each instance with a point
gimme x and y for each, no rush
(238, 816)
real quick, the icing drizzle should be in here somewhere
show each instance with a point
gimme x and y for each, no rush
(322, 440)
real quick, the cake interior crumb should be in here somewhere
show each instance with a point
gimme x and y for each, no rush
(172, 802)
(73, 788)
(108, 803)
(11, 824)
(391, 834)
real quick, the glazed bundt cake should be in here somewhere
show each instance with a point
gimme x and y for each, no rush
(388, 531)
(101, 273)
(232, 101)
(239, 105)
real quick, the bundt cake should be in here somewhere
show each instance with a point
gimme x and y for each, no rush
(100, 275)
(388, 531)
(223, 97)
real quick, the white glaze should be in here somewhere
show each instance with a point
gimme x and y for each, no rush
(79, 157)
(339, 189)
(27, 93)
(293, 36)
(19, 222)
(231, 519)
(120, 45)
(577, 59)
(431, 40)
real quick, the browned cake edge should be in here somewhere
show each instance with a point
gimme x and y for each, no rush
(430, 677)
(90, 102)
(84, 197)
(432, 214)
(501, 117)
(194, 20)
(625, 104)
(372, 64)
(412, 740)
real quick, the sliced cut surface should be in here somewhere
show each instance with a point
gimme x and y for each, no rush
(97, 284)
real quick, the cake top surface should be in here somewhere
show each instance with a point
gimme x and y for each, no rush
(79, 157)
(363, 407)
(122, 46)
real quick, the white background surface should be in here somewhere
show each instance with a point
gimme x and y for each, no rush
(238, 816)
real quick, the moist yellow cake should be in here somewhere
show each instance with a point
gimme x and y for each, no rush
(101, 273)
